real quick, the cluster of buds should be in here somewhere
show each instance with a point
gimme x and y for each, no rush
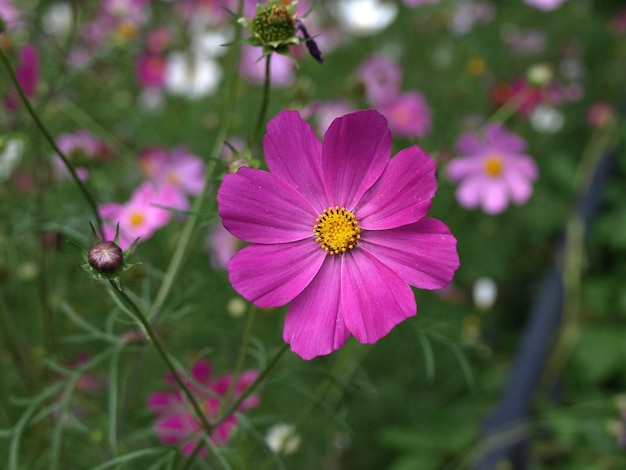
(274, 28)
(105, 260)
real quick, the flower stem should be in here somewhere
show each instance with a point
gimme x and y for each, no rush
(189, 461)
(264, 103)
(88, 197)
(208, 427)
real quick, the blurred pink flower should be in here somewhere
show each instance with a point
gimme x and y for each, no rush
(27, 72)
(408, 115)
(8, 13)
(323, 113)
(141, 216)
(175, 420)
(221, 246)
(252, 67)
(545, 5)
(81, 148)
(493, 170)
(600, 114)
(337, 229)
(178, 168)
(382, 78)
(150, 70)
(520, 93)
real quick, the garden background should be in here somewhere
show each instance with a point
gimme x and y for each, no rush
(147, 79)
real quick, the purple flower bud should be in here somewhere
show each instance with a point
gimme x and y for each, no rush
(105, 257)
(310, 43)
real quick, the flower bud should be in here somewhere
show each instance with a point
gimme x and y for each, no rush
(274, 23)
(105, 257)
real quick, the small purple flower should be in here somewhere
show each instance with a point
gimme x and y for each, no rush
(545, 5)
(408, 115)
(492, 171)
(27, 73)
(175, 420)
(382, 78)
(337, 229)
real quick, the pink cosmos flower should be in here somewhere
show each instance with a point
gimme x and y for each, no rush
(27, 72)
(492, 171)
(221, 246)
(142, 216)
(178, 168)
(150, 70)
(338, 229)
(176, 422)
(8, 13)
(408, 115)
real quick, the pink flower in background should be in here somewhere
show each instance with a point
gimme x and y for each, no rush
(600, 114)
(416, 3)
(27, 72)
(141, 216)
(493, 170)
(382, 78)
(150, 70)
(178, 168)
(8, 13)
(221, 246)
(526, 97)
(545, 5)
(175, 419)
(324, 113)
(408, 115)
(81, 148)
(252, 68)
(337, 229)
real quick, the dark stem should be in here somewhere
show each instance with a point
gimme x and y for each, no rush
(264, 103)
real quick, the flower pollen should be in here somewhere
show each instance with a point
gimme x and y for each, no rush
(136, 219)
(337, 230)
(494, 166)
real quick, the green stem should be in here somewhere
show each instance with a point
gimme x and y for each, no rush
(208, 427)
(90, 200)
(264, 102)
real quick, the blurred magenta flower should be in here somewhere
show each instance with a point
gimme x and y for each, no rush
(8, 13)
(493, 170)
(338, 229)
(27, 73)
(141, 216)
(178, 168)
(150, 70)
(408, 115)
(175, 420)
(324, 113)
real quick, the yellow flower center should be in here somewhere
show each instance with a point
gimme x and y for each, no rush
(493, 166)
(136, 219)
(337, 230)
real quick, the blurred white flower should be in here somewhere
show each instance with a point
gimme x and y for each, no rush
(484, 293)
(546, 119)
(57, 19)
(193, 76)
(10, 156)
(365, 17)
(282, 438)
(236, 307)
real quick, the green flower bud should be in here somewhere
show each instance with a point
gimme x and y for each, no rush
(274, 24)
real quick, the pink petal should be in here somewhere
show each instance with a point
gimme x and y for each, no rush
(272, 275)
(524, 165)
(201, 371)
(494, 196)
(423, 254)
(374, 299)
(469, 144)
(163, 402)
(402, 194)
(469, 190)
(258, 207)
(296, 156)
(355, 151)
(520, 187)
(463, 167)
(503, 141)
(314, 325)
(174, 428)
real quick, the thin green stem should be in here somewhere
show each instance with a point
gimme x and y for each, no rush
(208, 427)
(88, 197)
(264, 102)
